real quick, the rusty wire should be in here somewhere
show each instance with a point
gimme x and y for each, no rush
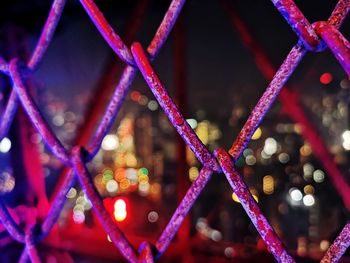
(312, 37)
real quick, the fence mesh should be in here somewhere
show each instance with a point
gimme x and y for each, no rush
(314, 37)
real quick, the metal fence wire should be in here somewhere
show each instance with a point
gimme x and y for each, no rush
(314, 37)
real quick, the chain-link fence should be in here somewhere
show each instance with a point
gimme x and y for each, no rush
(314, 37)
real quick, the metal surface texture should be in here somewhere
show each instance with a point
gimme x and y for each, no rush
(312, 37)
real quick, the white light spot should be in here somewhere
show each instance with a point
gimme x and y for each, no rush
(71, 193)
(346, 145)
(87, 204)
(308, 170)
(78, 217)
(5, 145)
(152, 105)
(295, 194)
(215, 235)
(270, 146)
(346, 140)
(346, 135)
(283, 158)
(112, 186)
(229, 252)
(131, 174)
(318, 176)
(264, 155)
(247, 152)
(110, 142)
(58, 120)
(153, 216)
(250, 160)
(144, 188)
(120, 212)
(308, 200)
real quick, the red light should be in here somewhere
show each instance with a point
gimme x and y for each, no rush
(135, 96)
(326, 78)
(120, 212)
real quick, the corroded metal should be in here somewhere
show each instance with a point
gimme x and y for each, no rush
(34, 114)
(86, 180)
(251, 207)
(171, 110)
(112, 38)
(336, 42)
(298, 22)
(339, 246)
(266, 100)
(182, 210)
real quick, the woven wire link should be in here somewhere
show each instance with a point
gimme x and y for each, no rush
(312, 37)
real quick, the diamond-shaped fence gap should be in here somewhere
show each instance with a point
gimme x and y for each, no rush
(295, 111)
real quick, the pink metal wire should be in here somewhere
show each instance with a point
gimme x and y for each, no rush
(312, 37)
(339, 246)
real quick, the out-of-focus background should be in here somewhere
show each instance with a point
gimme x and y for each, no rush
(142, 170)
